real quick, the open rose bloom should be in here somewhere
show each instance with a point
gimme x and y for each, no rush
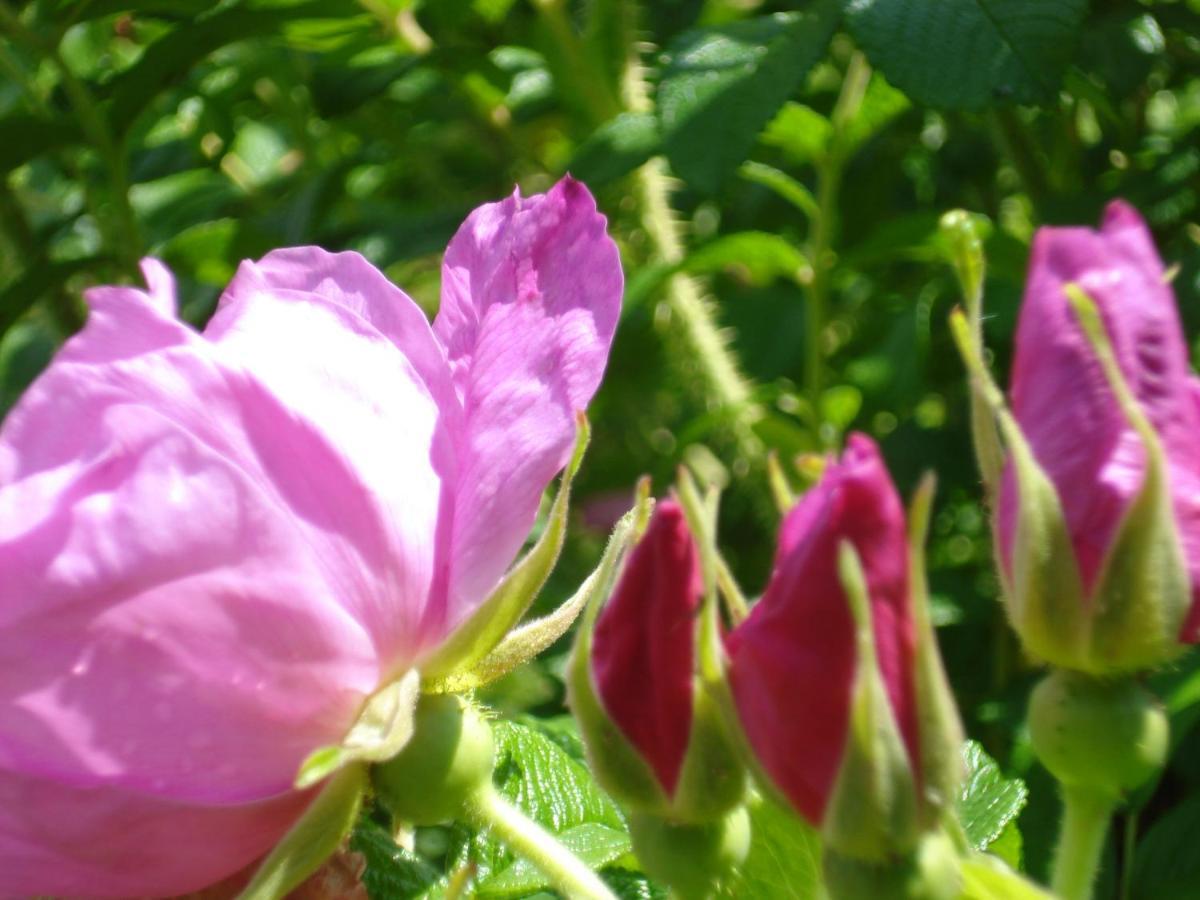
(214, 547)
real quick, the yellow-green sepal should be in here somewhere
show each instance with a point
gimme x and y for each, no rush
(1043, 592)
(1143, 591)
(872, 813)
(484, 630)
(960, 232)
(383, 727)
(313, 839)
(939, 728)
(617, 765)
(987, 878)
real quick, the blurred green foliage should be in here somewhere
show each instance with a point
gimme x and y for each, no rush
(773, 172)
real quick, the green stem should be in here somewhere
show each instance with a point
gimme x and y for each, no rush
(1080, 842)
(1128, 852)
(1022, 153)
(487, 809)
(824, 223)
(693, 312)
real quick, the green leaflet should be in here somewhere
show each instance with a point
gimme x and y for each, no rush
(969, 54)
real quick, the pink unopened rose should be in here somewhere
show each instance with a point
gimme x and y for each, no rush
(1079, 435)
(214, 547)
(793, 661)
(643, 653)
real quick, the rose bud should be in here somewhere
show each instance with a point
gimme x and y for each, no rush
(652, 726)
(217, 548)
(838, 684)
(652, 730)
(1098, 505)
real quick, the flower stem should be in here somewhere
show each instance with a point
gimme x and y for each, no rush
(1086, 815)
(823, 231)
(487, 809)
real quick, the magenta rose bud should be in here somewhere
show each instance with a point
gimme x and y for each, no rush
(651, 729)
(793, 661)
(1119, 448)
(839, 688)
(214, 547)
(643, 655)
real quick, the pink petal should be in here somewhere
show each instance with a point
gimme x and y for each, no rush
(531, 290)
(643, 650)
(184, 560)
(343, 349)
(77, 842)
(1062, 400)
(793, 660)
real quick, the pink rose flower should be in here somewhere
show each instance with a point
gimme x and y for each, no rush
(793, 660)
(214, 547)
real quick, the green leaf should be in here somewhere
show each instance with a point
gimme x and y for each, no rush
(313, 838)
(392, 871)
(25, 349)
(757, 257)
(616, 148)
(720, 86)
(597, 845)
(174, 54)
(785, 856)
(1166, 866)
(989, 801)
(969, 54)
(800, 132)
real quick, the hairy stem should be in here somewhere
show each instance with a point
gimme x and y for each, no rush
(1080, 843)
(487, 809)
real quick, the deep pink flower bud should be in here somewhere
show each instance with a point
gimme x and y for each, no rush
(1088, 447)
(214, 547)
(643, 651)
(793, 660)
(654, 731)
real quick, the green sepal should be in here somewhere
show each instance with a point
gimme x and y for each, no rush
(1043, 593)
(939, 728)
(960, 231)
(712, 779)
(383, 727)
(313, 839)
(930, 870)
(987, 878)
(617, 765)
(480, 634)
(1143, 591)
(872, 813)
(692, 859)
